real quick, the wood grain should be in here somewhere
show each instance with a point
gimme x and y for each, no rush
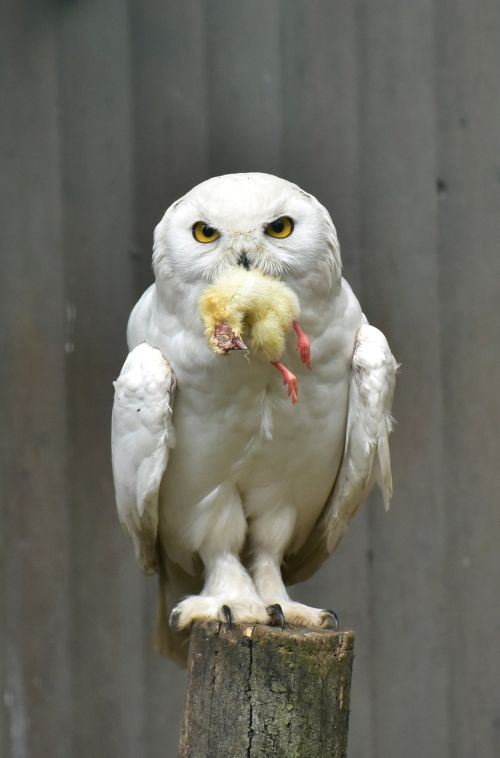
(469, 276)
(401, 295)
(106, 589)
(259, 691)
(35, 597)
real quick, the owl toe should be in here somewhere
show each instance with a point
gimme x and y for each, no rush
(330, 620)
(276, 615)
(229, 611)
(298, 614)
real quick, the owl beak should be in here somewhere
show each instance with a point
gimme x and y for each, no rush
(243, 261)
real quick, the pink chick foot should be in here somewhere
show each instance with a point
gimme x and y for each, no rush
(289, 379)
(303, 344)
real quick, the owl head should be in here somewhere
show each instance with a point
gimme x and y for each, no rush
(252, 220)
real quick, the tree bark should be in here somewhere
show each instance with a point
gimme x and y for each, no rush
(258, 691)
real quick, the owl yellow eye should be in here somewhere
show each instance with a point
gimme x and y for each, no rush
(204, 233)
(281, 228)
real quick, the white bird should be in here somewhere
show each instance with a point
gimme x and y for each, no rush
(227, 489)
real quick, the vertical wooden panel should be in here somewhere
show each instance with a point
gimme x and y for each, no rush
(36, 706)
(401, 296)
(468, 57)
(169, 48)
(170, 101)
(96, 162)
(244, 86)
(321, 154)
(320, 106)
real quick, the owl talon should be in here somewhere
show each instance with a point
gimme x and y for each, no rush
(228, 614)
(175, 619)
(276, 615)
(330, 620)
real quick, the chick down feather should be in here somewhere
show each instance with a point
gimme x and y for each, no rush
(251, 304)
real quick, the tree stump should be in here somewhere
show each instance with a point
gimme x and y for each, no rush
(260, 692)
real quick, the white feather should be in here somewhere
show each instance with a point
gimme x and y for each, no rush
(141, 437)
(369, 424)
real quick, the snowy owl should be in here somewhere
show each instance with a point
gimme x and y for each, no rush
(228, 489)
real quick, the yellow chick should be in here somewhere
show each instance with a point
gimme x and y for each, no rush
(248, 304)
(251, 304)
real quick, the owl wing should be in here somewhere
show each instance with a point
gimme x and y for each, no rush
(141, 436)
(366, 456)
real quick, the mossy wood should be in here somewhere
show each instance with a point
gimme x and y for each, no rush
(258, 691)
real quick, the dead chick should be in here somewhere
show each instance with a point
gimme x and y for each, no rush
(262, 309)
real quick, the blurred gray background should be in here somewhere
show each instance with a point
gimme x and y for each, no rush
(387, 111)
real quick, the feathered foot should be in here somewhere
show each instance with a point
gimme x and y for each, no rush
(266, 574)
(298, 614)
(303, 344)
(289, 379)
(217, 608)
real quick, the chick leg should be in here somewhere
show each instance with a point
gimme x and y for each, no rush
(289, 379)
(303, 344)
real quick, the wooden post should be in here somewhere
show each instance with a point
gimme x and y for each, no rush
(260, 692)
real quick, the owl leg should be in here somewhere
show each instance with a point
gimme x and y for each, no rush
(270, 534)
(281, 608)
(303, 344)
(217, 530)
(289, 379)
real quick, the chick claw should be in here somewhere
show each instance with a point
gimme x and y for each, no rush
(303, 344)
(289, 379)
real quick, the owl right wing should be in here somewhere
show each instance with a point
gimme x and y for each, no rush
(141, 437)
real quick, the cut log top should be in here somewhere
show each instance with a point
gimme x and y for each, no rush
(260, 691)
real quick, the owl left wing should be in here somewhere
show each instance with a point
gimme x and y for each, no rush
(141, 436)
(366, 456)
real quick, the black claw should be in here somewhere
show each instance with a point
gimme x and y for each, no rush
(333, 617)
(228, 614)
(277, 616)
